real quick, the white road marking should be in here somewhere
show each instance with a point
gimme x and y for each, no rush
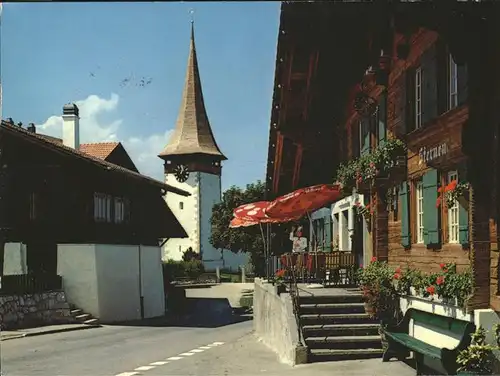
(161, 363)
(144, 368)
(158, 363)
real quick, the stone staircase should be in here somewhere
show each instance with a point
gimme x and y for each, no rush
(336, 327)
(82, 317)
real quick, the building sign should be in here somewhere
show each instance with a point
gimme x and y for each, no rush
(429, 154)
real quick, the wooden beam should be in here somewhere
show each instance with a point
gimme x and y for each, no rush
(296, 169)
(277, 161)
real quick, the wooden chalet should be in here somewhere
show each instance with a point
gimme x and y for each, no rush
(351, 78)
(53, 194)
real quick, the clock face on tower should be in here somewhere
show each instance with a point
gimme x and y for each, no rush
(181, 173)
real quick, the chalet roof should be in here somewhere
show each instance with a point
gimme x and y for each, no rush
(192, 134)
(100, 150)
(55, 144)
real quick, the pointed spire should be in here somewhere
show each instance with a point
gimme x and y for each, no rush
(192, 134)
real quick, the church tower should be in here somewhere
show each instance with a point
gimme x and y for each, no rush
(192, 161)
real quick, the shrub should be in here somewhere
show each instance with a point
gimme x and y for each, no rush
(173, 270)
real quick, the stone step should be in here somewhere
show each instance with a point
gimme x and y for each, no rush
(344, 342)
(76, 312)
(91, 322)
(333, 308)
(335, 318)
(325, 355)
(332, 299)
(340, 330)
(83, 317)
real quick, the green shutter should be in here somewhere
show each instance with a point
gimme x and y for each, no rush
(328, 234)
(463, 213)
(382, 119)
(405, 216)
(431, 212)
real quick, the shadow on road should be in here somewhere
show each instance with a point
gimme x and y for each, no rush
(196, 313)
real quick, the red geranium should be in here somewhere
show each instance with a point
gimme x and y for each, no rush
(397, 276)
(280, 273)
(451, 186)
(442, 266)
(398, 271)
(374, 259)
(438, 202)
(431, 290)
(439, 280)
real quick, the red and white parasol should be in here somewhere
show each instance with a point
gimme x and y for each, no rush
(303, 201)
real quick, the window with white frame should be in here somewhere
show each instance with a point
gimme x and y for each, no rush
(102, 207)
(419, 193)
(452, 84)
(418, 98)
(453, 229)
(119, 210)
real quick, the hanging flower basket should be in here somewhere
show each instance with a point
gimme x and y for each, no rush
(452, 193)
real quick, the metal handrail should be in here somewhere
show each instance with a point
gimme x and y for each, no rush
(295, 295)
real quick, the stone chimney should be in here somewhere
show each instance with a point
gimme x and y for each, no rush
(71, 126)
(31, 128)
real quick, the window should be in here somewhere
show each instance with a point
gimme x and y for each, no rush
(181, 205)
(102, 207)
(453, 228)
(452, 83)
(418, 98)
(419, 195)
(119, 210)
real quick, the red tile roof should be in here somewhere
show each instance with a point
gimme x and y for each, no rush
(56, 144)
(100, 150)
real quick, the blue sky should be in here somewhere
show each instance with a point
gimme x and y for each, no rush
(55, 53)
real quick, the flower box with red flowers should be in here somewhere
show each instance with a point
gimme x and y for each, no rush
(445, 292)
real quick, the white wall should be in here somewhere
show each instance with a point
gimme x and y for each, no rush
(210, 194)
(344, 222)
(118, 282)
(107, 281)
(15, 259)
(152, 281)
(188, 216)
(76, 263)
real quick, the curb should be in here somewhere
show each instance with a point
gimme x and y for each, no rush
(51, 331)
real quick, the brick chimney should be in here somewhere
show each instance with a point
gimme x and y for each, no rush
(71, 126)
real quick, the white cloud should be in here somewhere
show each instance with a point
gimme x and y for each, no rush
(142, 150)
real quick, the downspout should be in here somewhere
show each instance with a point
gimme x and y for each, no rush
(141, 297)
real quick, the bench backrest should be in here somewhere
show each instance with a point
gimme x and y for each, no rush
(448, 324)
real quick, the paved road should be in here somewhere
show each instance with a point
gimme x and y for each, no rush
(110, 350)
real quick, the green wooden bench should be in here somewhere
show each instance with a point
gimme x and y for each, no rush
(400, 343)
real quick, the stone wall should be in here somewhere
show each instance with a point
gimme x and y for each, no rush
(275, 325)
(28, 310)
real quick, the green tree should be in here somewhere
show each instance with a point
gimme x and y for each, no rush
(243, 239)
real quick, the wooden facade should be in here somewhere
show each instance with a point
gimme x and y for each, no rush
(52, 194)
(402, 57)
